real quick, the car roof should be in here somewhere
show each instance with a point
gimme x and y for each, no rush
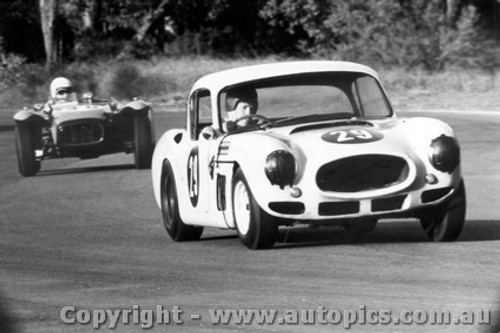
(219, 80)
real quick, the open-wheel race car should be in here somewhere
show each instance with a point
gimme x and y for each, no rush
(313, 142)
(86, 129)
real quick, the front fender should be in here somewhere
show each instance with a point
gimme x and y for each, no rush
(29, 117)
(250, 153)
(135, 108)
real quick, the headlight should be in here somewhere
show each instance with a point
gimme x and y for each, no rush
(280, 168)
(445, 153)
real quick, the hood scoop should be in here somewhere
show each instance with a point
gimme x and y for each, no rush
(353, 122)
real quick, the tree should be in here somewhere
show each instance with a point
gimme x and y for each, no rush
(48, 11)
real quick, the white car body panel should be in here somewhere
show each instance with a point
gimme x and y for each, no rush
(408, 139)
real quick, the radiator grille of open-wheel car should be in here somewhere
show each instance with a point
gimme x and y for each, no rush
(80, 133)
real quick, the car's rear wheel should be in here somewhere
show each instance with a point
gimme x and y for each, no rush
(27, 164)
(256, 228)
(445, 222)
(174, 225)
(143, 144)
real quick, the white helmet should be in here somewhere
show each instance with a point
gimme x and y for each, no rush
(60, 83)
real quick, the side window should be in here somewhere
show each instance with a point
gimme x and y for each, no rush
(204, 108)
(192, 115)
(200, 112)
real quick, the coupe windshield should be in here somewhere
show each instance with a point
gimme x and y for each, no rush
(306, 97)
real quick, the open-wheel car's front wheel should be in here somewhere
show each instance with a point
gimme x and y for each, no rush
(445, 222)
(174, 225)
(143, 143)
(256, 229)
(26, 161)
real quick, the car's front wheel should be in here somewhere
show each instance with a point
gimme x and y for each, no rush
(143, 144)
(174, 225)
(27, 164)
(445, 222)
(256, 228)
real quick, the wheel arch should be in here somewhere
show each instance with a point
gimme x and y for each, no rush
(165, 149)
(29, 118)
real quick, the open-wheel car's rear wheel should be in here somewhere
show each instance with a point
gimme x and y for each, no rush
(256, 228)
(445, 222)
(26, 161)
(176, 228)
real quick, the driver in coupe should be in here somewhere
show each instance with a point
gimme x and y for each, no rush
(240, 102)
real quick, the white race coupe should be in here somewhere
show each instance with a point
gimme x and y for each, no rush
(313, 142)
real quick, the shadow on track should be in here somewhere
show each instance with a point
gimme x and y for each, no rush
(394, 232)
(7, 321)
(214, 238)
(85, 169)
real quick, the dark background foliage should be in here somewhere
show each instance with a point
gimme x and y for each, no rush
(427, 33)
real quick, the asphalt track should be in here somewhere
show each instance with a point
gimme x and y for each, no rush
(88, 234)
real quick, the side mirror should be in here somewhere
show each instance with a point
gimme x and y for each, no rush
(113, 104)
(47, 109)
(208, 133)
(87, 97)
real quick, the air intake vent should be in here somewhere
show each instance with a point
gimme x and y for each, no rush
(387, 204)
(338, 208)
(433, 195)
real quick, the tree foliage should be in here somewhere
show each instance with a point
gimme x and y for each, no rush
(431, 34)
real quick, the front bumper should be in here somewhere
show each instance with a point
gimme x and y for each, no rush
(403, 204)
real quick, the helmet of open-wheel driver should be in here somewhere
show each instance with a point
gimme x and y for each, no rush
(60, 85)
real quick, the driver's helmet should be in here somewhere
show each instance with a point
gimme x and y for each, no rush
(61, 89)
(242, 94)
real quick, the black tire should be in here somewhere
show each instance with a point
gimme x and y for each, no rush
(27, 164)
(143, 144)
(362, 226)
(445, 222)
(256, 228)
(174, 225)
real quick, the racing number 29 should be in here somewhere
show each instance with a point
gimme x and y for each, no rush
(344, 136)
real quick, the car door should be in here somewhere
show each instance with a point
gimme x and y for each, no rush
(200, 182)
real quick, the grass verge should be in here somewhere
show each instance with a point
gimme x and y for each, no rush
(167, 81)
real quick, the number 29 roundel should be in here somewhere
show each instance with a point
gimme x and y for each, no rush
(351, 136)
(193, 176)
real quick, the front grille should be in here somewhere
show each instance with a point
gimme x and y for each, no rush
(362, 173)
(80, 133)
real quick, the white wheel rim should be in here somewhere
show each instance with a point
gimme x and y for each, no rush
(241, 208)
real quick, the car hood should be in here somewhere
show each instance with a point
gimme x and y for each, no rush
(335, 139)
(348, 142)
(74, 111)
